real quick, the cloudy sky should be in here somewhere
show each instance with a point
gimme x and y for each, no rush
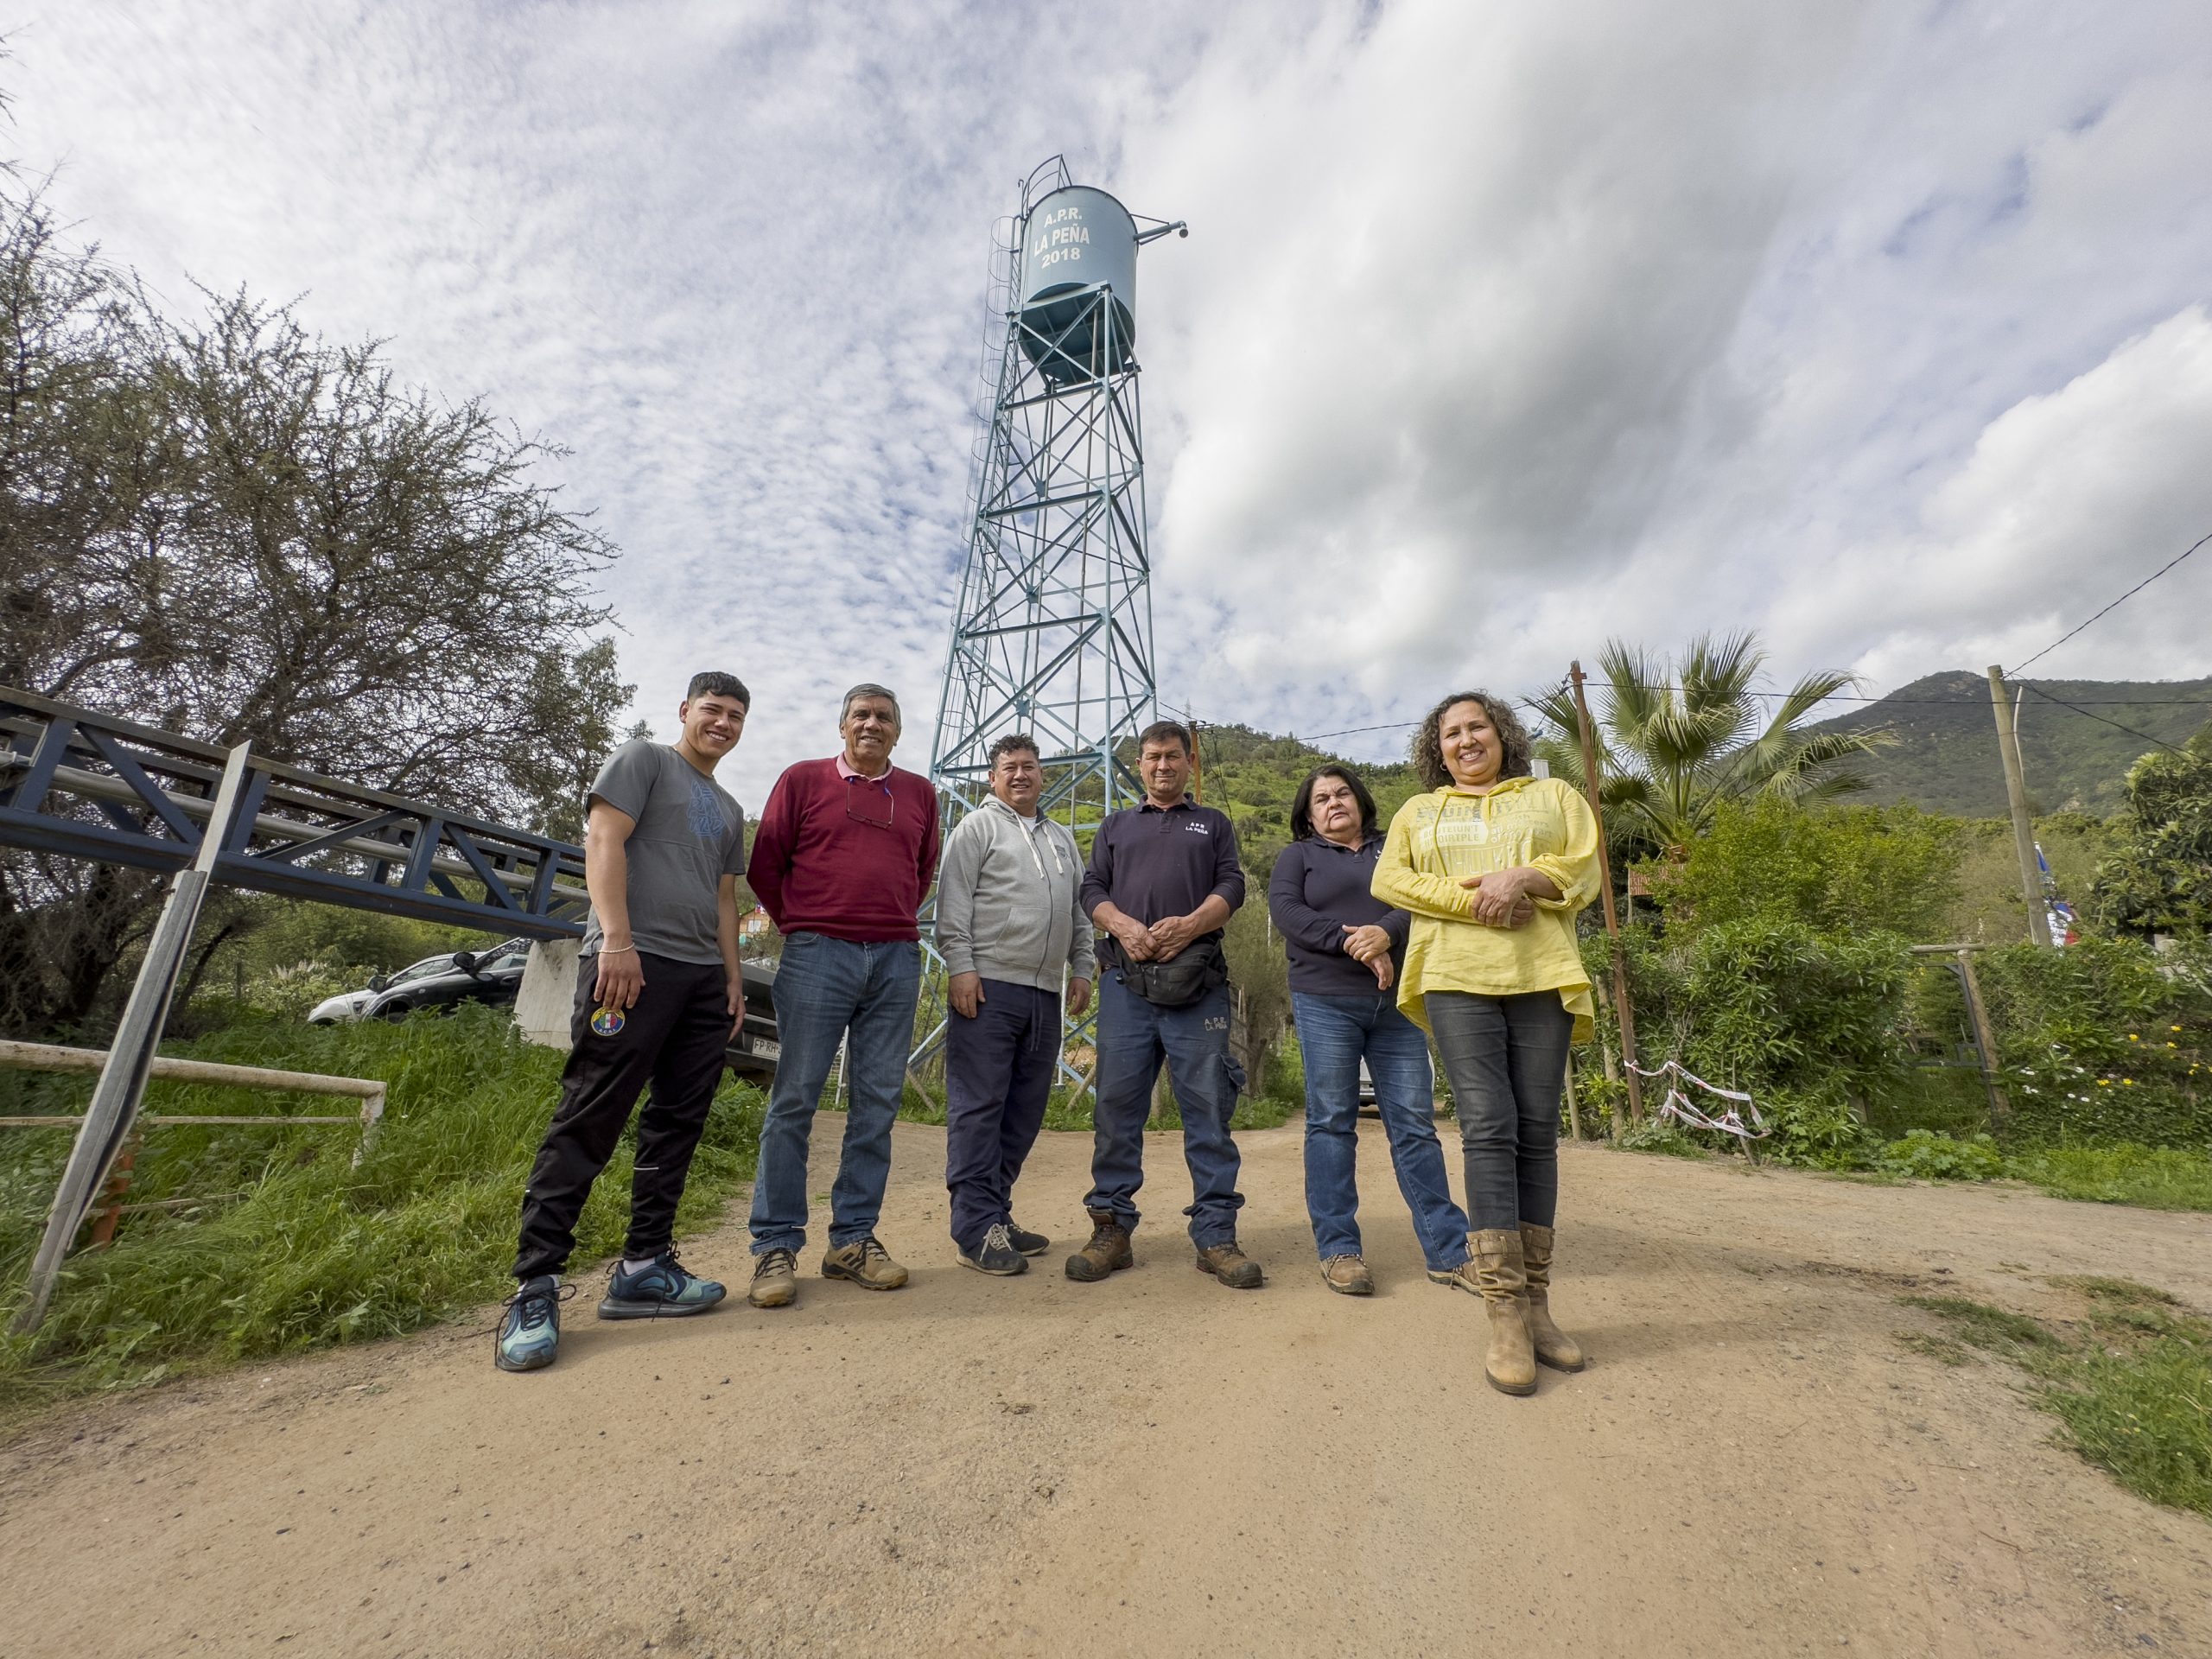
(1884, 329)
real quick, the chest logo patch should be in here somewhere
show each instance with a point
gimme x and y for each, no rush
(607, 1022)
(707, 821)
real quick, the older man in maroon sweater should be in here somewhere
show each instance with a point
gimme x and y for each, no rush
(846, 849)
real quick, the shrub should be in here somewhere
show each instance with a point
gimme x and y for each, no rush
(1926, 1156)
(1833, 869)
(2100, 1043)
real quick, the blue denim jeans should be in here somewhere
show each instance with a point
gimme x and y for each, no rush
(1334, 1035)
(826, 989)
(1134, 1038)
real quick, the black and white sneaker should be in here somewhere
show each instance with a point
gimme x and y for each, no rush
(997, 1255)
(1027, 1243)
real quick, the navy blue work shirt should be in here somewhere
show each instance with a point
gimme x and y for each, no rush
(1317, 889)
(1156, 862)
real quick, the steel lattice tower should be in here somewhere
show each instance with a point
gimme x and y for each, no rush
(1053, 632)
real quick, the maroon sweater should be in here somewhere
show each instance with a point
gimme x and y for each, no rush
(823, 861)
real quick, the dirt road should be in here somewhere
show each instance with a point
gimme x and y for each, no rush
(1752, 1466)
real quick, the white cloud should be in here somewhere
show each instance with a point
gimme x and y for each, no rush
(1500, 329)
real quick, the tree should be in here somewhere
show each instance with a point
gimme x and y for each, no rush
(2159, 877)
(1676, 740)
(580, 694)
(232, 528)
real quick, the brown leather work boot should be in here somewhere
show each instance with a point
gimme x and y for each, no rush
(1554, 1346)
(1510, 1365)
(1230, 1265)
(1108, 1252)
(1348, 1276)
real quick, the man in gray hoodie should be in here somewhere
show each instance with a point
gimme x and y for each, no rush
(1011, 930)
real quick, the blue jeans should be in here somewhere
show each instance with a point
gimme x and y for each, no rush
(1334, 1035)
(826, 989)
(1134, 1037)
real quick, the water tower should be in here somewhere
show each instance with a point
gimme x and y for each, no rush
(1053, 632)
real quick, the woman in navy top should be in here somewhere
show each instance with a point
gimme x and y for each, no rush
(1344, 946)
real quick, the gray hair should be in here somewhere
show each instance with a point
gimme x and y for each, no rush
(869, 688)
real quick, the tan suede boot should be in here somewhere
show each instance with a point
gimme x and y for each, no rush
(1554, 1346)
(1511, 1364)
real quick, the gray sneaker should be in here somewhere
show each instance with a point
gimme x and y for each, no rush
(530, 1332)
(996, 1255)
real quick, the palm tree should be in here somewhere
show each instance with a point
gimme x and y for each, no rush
(1676, 740)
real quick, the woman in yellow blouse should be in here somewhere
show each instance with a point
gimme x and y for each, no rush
(1493, 864)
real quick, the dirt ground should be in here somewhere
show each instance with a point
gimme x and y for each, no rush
(1752, 1465)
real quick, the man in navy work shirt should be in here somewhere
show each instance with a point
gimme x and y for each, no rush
(1163, 881)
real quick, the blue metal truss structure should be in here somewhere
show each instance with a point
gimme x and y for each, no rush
(81, 785)
(87, 785)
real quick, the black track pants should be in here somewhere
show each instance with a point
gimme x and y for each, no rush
(674, 1038)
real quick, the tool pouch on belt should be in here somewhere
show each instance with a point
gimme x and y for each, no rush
(1185, 978)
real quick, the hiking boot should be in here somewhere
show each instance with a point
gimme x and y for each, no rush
(775, 1280)
(1027, 1243)
(1459, 1278)
(1108, 1252)
(1510, 1365)
(996, 1255)
(530, 1332)
(866, 1263)
(1554, 1346)
(659, 1290)
(1232, 1267)
(1348, 1276)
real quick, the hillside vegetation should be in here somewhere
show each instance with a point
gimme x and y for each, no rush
(1945, 756)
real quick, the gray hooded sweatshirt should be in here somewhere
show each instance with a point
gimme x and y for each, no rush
(1006, 900)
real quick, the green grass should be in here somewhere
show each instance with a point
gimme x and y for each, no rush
(313, 1252)
(2155, 1178)
(2131, 1380)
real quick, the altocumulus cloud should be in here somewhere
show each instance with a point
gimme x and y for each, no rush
(1499, 329)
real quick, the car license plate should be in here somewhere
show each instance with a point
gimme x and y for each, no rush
(761, 1049)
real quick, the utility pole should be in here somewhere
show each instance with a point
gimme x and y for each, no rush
(1625, 1014)
(2016, 793)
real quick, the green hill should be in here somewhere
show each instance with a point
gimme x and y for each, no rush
(1945, 758)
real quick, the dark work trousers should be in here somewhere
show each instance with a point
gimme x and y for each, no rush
(674, 1037)
(1506, 1057)
(998, 1073)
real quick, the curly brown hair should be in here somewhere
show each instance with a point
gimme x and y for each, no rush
(1512, 736)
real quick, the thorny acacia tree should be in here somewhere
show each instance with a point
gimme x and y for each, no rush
(231, 528)
(1675, 739)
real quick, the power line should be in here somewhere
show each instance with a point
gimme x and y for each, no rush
(2122, 600)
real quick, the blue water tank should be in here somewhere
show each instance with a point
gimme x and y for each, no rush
(1075, 242)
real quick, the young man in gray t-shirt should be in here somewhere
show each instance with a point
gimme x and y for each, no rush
(659, 992)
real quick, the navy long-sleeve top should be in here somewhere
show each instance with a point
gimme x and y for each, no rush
(1318, 889)
(1154, 863)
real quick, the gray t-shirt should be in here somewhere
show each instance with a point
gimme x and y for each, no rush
(691, 833)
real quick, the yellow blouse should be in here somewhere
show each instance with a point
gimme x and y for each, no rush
(1437, 839)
